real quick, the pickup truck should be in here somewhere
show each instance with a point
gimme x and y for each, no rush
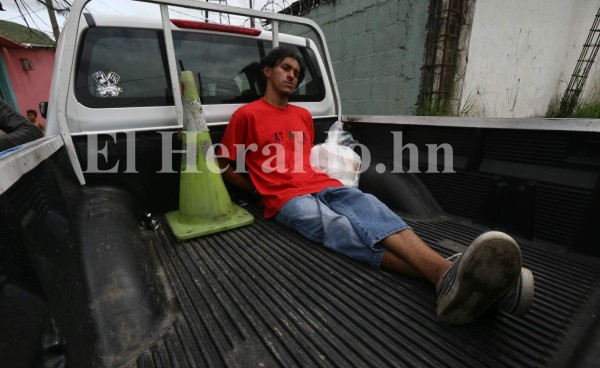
(92, 276)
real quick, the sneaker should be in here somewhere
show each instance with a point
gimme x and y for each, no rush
(519, 298)
(517, 301)
(480, 276)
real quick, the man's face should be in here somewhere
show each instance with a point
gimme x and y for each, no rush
(31, 117)
(284, 76)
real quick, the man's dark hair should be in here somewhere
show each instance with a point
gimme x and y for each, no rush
(276, 56)
(33, 112)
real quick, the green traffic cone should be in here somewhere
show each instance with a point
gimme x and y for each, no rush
(204, 203)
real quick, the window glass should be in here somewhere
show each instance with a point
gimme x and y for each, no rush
(226, 68)
(122, 67)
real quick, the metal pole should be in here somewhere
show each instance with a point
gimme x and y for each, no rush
(53, 21)
(275, 32)
(251, 18)
(164, 11)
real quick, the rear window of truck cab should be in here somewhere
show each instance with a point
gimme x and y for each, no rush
(127, 67)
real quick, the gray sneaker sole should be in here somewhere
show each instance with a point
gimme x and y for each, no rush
(519, 302)
(487, 269)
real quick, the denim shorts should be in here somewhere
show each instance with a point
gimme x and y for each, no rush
(345, 220)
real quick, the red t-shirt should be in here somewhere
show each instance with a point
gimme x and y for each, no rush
(277, 143)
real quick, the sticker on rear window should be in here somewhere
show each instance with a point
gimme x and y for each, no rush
(107, 84)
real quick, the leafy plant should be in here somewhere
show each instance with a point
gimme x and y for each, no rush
(589, 108)
(469, 108)
(431, 107)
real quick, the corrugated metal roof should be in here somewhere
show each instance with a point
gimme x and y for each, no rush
(12, 35)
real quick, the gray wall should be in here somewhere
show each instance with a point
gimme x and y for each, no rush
(377, 48)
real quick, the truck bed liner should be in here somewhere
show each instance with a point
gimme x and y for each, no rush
(264, 296)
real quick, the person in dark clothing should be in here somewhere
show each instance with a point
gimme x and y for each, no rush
(18, 129)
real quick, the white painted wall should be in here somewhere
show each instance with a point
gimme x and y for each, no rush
(522, 54)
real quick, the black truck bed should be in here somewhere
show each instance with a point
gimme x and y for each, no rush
(120, 295)
(263, 296)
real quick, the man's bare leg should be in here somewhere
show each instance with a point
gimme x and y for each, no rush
(489, 267)
(408, 254)
(391, 262)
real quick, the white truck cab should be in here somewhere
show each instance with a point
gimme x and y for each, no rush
(120, 78)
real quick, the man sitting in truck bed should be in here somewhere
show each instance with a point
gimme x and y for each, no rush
(273, 137)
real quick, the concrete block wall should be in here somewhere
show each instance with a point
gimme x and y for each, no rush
(377, 48)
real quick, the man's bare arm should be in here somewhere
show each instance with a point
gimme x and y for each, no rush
(233, 178)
